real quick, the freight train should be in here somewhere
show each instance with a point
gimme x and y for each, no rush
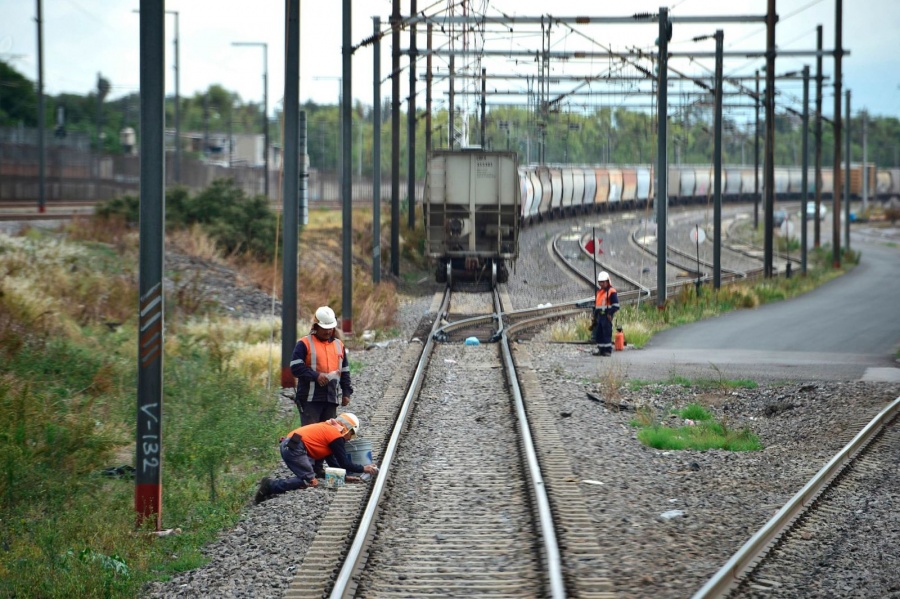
(553, 191)
(472, 213)
(476, 201)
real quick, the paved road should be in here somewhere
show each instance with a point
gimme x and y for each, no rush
(848, 329)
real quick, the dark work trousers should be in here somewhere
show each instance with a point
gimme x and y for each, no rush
(300, 464)
(312, 412)
(603, 334)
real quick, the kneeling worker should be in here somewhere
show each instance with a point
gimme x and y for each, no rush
(304, 445)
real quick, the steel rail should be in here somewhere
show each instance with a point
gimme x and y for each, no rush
(640, 289)
(539, 489)
(760, 543)
(354, 558)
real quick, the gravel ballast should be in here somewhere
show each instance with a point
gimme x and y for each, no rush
(666, 520)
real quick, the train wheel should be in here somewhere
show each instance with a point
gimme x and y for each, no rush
(502, 274)
(449, 273)
(440, 273)
(493, 275)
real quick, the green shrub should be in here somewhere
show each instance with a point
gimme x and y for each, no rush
(238, 224)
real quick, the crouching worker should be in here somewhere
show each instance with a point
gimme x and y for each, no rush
(306, 445)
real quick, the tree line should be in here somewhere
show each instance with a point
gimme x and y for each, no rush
(614, 135)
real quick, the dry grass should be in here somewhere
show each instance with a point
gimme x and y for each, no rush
(610, 378)
(319, 280)
(114, 231)
(195, 242)
(571, 329)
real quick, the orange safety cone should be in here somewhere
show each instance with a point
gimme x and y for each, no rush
(620, 339)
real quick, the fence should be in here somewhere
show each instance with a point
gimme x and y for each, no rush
(75, 174)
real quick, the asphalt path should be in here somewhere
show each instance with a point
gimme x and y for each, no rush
(847, 329)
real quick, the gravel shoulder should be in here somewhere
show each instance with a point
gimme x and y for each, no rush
(666, 521)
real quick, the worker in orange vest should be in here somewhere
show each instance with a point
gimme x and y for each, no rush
(605, 307)
(322, 368)
(305, 446)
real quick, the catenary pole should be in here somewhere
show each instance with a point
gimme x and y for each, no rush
(376, 152)
(290, 188)
(769, 165)
(411, 126)
(347, 172)
(804, 185)
(429, 143)
(865, 161)
(395, 138)
(662, 168)
(756, 159)
(817, 229)
(42, 190)
(848, 157)
(717, 165)
(838, 173)
(148, 455)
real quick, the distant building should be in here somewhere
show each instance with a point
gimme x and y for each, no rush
(240, 149)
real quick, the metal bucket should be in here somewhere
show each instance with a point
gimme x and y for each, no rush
(359, 451)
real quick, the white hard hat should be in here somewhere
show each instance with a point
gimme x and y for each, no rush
(350, 421)
(603, 276)
(325, 318)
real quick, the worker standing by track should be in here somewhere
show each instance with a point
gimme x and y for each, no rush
(322, 367)
(605, 308)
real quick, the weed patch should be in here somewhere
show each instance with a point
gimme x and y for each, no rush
(697, 429)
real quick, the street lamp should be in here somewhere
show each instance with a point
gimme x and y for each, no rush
(340, 145)
(265, 111)
(177, 101)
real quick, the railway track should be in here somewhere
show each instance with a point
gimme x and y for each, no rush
(569, 250)
(462, 505)
(808, 546)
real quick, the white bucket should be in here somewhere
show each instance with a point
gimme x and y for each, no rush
(334, 477)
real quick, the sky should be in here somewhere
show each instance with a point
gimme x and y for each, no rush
(85, 37)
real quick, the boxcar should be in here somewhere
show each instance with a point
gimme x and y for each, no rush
(472, 201)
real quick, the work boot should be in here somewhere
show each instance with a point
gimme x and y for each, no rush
(263, 493)
(597, 351)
